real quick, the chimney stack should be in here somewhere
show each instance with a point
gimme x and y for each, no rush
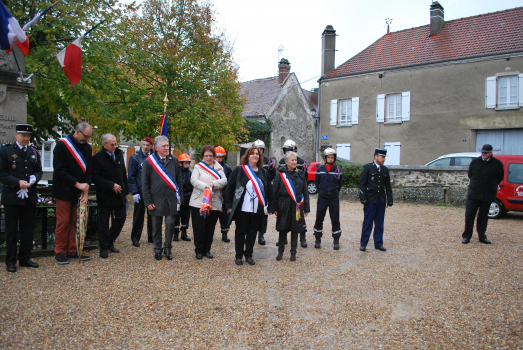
(328, 49)
(437, 18)
(284, 67)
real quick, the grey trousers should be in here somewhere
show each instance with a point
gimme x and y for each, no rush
(157, 232)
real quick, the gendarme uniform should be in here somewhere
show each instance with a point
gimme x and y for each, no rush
(375, 192)
(17, 163)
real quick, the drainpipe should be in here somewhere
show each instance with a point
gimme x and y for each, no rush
(317, 143)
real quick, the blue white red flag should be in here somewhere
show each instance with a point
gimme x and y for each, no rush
(10, 31)
(75, 152)
(164, 131)
(256, 183)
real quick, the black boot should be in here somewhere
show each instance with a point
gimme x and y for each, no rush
(184, 237)
(317, 244)
(303, 240)
(225, 238)
(261, 240)
(175, 236)
(337, 243)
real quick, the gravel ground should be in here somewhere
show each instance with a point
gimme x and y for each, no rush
(427, 291)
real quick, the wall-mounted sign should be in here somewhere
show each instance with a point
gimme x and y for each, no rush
(324, 137)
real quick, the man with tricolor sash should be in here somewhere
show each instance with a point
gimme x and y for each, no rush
(72, 157)
(162, 194)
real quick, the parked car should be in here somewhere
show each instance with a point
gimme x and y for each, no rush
(454, 159)
(510, 190)
(311, 176)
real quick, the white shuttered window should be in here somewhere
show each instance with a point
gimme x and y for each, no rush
(504, 91)
(345, 112)
(393, 108)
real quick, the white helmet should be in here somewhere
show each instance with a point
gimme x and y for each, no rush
(259, 144)
(328, 152)
(289, 145)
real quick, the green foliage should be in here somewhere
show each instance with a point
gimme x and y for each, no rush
(258, 131)
(351, 173)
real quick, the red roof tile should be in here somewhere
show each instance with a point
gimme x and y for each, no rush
(482, 35)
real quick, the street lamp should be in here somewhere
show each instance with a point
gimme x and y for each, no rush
(313, 112)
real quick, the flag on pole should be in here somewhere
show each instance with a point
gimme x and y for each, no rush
(164, 131)
(10, 31)
(70, 59)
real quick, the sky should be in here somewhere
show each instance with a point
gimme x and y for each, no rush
(258, 28)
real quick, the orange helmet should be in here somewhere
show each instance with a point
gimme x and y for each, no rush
(184, 157)
(220, 151)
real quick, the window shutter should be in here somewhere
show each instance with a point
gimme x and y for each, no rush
(405, 106)
(334, 112)
(380, 109)
(355, 110)
(520, 90)
(490, 92)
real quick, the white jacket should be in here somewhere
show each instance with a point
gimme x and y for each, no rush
(200, 179)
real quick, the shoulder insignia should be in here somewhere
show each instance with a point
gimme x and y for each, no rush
(15, 156)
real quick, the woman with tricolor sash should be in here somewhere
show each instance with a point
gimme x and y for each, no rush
(248, 199)
(292, 205)
(206, 174)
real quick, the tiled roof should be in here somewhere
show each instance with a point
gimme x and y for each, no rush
(261, 94)
(311, 98)
(482, 35)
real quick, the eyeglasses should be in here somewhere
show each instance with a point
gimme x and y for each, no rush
(208, 156)
(87, 137)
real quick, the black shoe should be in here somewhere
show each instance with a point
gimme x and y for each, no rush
(175, 237)
(261, 240)
(28, 263)
(293, 257)
(74, 256)
(317, 244)
(167, 253)
(250, 261)
(279, 256)
(363, 248)
(336, 243)
(486, 241)
(185, 237)
(303, 244)
(61, 259)
(199, 256)
(465, 241)
(208, 255)
(238, 261)
(380, 247)
(104, 254)
(113, 249)
(225, 238)
(136, 244)
(11, 268)
(158, 256)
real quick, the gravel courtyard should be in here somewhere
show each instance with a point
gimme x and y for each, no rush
(427, 291)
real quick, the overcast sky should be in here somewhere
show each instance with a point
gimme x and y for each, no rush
(258, 28)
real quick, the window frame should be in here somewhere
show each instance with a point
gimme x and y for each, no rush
(348, 122)
(42, 151)
(396, 118)
(508, 172)
(498, 91)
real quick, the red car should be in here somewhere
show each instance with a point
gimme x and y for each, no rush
(510, 190)
(311, 176)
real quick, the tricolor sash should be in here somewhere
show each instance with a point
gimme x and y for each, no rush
(256, 183)
(75, 152)
(292, 192)
(210, 170)
(158, 167)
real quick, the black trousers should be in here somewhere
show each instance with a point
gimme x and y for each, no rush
(470, 214)
(16, 216)
(184, 216)
(107, 235)
(138, 220)
(224, 218)
(263, 229)
(247, 225)
(283, 238)
(203, 229)
(333, 204)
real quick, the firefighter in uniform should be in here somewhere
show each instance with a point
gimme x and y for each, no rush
(375, 192)
(268, 164)
(290, 145)
(224, 216)
(328, 182)
(20, 171)
(185, 209)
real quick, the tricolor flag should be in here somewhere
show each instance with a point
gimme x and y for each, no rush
(164, 131)
(70, 59)
(10, 31)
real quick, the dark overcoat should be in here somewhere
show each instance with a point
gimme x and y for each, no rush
(134, 174)
(106, 173)
(485, 177)
(284, 204)
(374, 184)
(156, 191)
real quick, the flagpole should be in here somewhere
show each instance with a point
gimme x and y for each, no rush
(47, 63)
(165, 101)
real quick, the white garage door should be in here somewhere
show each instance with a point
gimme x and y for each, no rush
(504, 141)
(343, 151)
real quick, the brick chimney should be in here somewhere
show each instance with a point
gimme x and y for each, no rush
(284, 67)
(328, 49)
(437, 18)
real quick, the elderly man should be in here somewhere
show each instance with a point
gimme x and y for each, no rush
(134, 177)
(485, 174)
(110, 178)
(72, 157)
(161, 180)
(20, 171)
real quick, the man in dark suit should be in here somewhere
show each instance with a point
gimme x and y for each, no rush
(110, 178)
(162, 190)
(485, 174)
(375, 191)
(134, 178)
(72, 157)
(20, 171)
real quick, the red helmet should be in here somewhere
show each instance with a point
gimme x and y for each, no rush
(220, 151)
(184, 157)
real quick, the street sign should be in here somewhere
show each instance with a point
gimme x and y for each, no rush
(324, 137)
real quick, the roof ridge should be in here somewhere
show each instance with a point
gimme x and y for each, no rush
(250, 81)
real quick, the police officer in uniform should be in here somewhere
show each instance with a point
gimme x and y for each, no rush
(290, 145)
(20, 171)
(375, 192)
(268, 164)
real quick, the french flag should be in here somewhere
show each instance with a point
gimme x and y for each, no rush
(164, 130)
(70, 59)
(10, 31)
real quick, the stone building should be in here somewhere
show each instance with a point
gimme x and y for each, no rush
(281, 100)
(423, 92)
